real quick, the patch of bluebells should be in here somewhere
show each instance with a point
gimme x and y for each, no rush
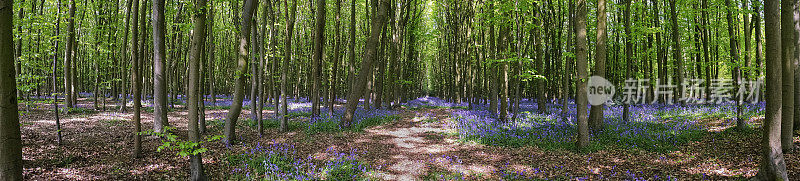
(655, 127)
(280, 161)
(432, 102)
(361, 119)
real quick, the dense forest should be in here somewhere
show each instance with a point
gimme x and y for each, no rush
(399, 89)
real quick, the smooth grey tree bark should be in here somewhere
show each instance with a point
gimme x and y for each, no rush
(596, 112)
(160, 119)
(290, 17)
(136, 83)
(69, 56)
(788, 48)
(336, 58)
(241, 71)
(581, 58)
(773, 165)
(198, 43)
(10, 135)
(319, 50)
(676, 47)
(357, 88)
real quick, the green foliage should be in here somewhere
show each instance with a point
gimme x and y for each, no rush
(113, 122)
(272, 123)
(281, 161)
(442, 174)
(539, 130)
(331, 125)
(153, 109)
(183, 148)
(79, 110)
(29, 82)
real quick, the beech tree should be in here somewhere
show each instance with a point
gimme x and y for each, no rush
(359, 84)
(198, 42)
(596, 112)
(582, 63)
(773, 165)
(136, 81)
(10, 135)
(319, 48)
(241, 71)
(159, 68)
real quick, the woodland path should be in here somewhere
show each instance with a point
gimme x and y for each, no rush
(420, 145)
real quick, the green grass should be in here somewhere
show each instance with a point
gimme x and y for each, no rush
(293, 115)
(79, 110)
(209, 107)
(647, 136)
(437, 174)
(422, 107)
(36, 101)
(670, 138)
(113, 122)
(152, 109)
(278, 163)
(272, 124)
(331, 125)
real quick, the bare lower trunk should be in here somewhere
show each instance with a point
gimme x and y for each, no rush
(135, 81)
(582, 63)
(788, 45)
(772, 166)
(241, 72)
(357, 88)
(10, 135)
(596, 112)
(159, 65)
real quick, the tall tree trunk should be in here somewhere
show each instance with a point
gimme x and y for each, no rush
(757, 29)
(565, 79)
(124, 76)
(210, 71)
(351, 73)
(628, 56)
(290, 18)
(159, 67)
(10, 135)
(734, 51)
(676, 47)
(69, 56)
(211, 63)
(494, 98)
(241, 71)
(319, 50)
(198, 43)
(357, 88)
(261, 48)
(582, 63)
(254, 110)
(706, 49)
(788, 48)
(773, 165)
(136, 83)
(18, 61)
(55, 77)
(336, 56)
(502, 74)
(596, 112)
(379, 77)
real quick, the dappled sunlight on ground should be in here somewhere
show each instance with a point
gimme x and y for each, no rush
(422, 144)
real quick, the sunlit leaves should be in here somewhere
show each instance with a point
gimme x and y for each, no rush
(183, 148)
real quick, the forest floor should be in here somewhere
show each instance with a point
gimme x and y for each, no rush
(420, 145)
